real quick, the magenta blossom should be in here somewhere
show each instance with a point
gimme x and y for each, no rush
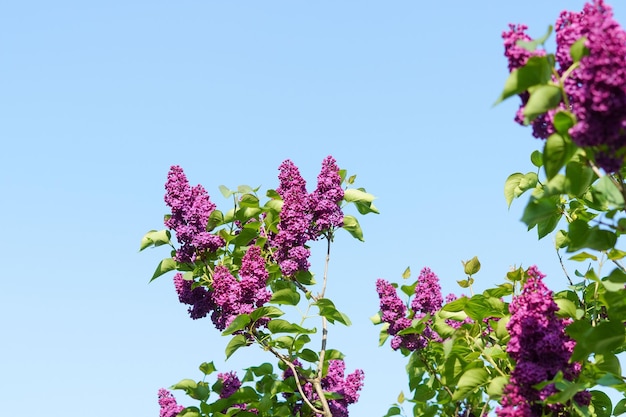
(191, 208)
(596, 90)
(325, 200)
(167, 404)
(540, 348)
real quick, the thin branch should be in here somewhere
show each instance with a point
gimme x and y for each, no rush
(296, 375)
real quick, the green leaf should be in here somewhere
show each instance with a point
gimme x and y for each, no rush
(516, 184)
(620, 407)
(496, 387)
(407, 273)
(583, 256)
(189, 412)
(308, 355)
(266, 311)
(165, 266)
(186, 384)
(365, 208)
(327, 309)
(540, 210)
(511, 183)
(578, 50)
(305, 277)
(578, 178)
(240, 322)
(225, 191)
(536, 158)
(393, 411)
(601, 403)
(207, 368)
(542, 99)
(469, 381)
(288, 296)
(352, 195)
(566, 308)
(235, 343)
(283, 326)
(556, 153)
(352, 226)
(536, 71)
(607, 188)
(155, 238)
(376, 318)
(472, 266)
(563, 122)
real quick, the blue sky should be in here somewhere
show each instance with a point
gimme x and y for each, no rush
(98, 99)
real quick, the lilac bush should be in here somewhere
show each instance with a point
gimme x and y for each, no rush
(238, 267)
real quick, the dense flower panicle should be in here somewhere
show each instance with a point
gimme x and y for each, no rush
(199, 298)
(540, 348)
(428, 297)
(231, 297)
(597, 88)
(325, 200)
(517, 57)
(348, 387)
(226, 297)
(393, 311)
(167, 404)
(333, 382)
(254, 292)
(295, 220)
(191, 208)
(230, 383)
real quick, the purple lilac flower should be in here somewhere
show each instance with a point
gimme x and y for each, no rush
(325, 200)
(295, 219)
(540, 348)
(231, 297)
(226, 296)
(198, 298)
(517, 57)
(191, 208)
(428, 297)
(230, 383)
(348, 387)
(597, 88)
(168, 405)
(253, 284)
(393, 311)
(333, 382)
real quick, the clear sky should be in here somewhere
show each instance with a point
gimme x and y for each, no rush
(99, 98)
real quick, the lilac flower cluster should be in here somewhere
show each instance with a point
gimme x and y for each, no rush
(324, 201)
(191, 208)
(334, 382)
(517, 57)
(168, 405)
(295, 219)
(232, 297)
(305, 216)
(199, 299)
(230, 383)
(427, 300)
(228, 297)
(348, 387)
(597, 88)
(540, 348)
(393, 312)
